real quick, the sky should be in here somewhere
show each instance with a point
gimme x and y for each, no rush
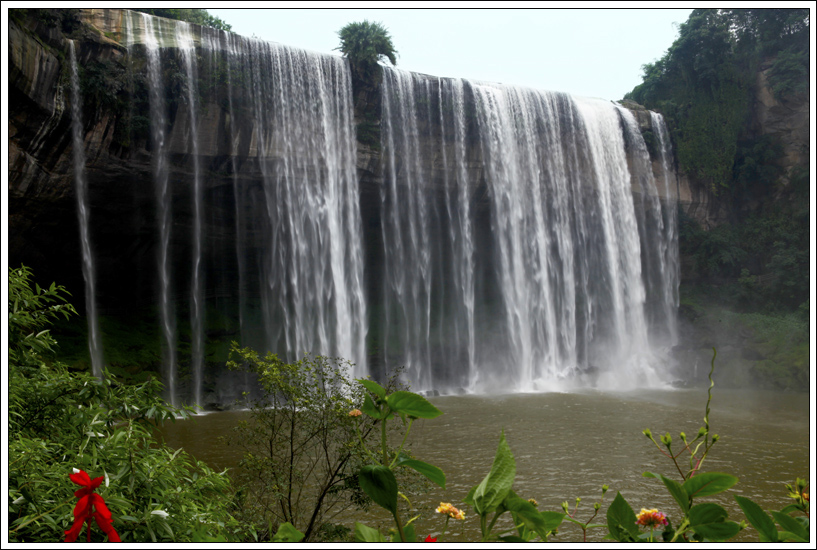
(585, 52)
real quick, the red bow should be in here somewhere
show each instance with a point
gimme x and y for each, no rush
(429, 539)
(90, 506)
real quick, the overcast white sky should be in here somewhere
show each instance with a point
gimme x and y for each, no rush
(587, 52)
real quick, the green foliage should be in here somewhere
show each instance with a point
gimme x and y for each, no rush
(31, 312)
(301, 448)
(704, 83)
(196, 16)
(61, 421)
(364, 44)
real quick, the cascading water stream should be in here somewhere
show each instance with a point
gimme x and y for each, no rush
(158, 126)
(554, 288)
(521, 240)
(88, 272)
(185, 43)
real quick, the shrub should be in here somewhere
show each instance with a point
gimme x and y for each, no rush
(60, 422)
(301, 451)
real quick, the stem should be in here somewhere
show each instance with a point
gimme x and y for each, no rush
(405, 437)
(491, 527)
(383, 442)
(447, 517)
(399, 526)
(681, 529)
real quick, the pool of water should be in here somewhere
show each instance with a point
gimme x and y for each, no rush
(566, 445)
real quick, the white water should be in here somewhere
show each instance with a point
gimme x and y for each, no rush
(158, 126)
(555, 287)
(523, 242)
(185, 45)
(88, 272)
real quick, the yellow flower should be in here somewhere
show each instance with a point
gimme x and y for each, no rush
(355, 412)
(651, 518)
(447, 508)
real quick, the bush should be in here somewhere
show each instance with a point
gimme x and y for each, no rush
(60, 422)
(301, 451)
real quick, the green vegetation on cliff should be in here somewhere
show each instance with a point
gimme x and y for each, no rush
(704, 83)
(196, 16)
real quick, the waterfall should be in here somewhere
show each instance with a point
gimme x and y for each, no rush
(496, 239)
(553, 288)
(158, 126)
(94, 345)
(185, 44)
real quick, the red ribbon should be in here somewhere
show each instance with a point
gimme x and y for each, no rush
(90, 506)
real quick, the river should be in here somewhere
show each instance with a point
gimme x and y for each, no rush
(567, 445)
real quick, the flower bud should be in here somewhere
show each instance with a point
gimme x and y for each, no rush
(604, 489)
(702, 432)
(565, 507)
(648, 433)
(683, 437)
(596, 506)
(715, 438)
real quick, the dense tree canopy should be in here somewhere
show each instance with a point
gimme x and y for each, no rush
(196, 16)
(703, 84)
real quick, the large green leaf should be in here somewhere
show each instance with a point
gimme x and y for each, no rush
(410, 403)
(287, 533)
(552, 520)
(495, 487)
(708, 512)
(369, 407)
(759, 519)
(621, 520)
(676, 490)
(409, 533)
(710, 483)
(432, 473)
(527, 513)
(718, 532)
(709, 520)
(367, 534)
(379, 483)
(373, 387)
(790, 524)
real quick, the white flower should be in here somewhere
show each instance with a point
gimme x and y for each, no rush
(19, 500)
(75, 470)
(161, 513)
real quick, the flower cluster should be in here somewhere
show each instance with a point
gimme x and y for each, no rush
(355, 412)
(447, 508)
(90, 506)
(652, 518)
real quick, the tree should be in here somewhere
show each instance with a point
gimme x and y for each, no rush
(301, 450)
(195, 16)
(364, 44)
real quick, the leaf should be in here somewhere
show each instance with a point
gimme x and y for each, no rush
(759, 519)
(709, 520)
(287, 533)
(710, 483)
(705, 513)
(412, 404)
(788, 536)
(718, 531)
(621, 520)
(408, 532)
(379, 483)
(676, 490)
(432, 473)
(367, 534)
(528, 513)
(791, 525)
(495, 487)
(373, 387)
(369, 408)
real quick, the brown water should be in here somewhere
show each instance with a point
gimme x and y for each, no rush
(567, 445)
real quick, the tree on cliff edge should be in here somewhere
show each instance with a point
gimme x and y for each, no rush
(364, 44)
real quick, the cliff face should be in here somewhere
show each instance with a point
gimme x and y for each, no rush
(119, 161)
